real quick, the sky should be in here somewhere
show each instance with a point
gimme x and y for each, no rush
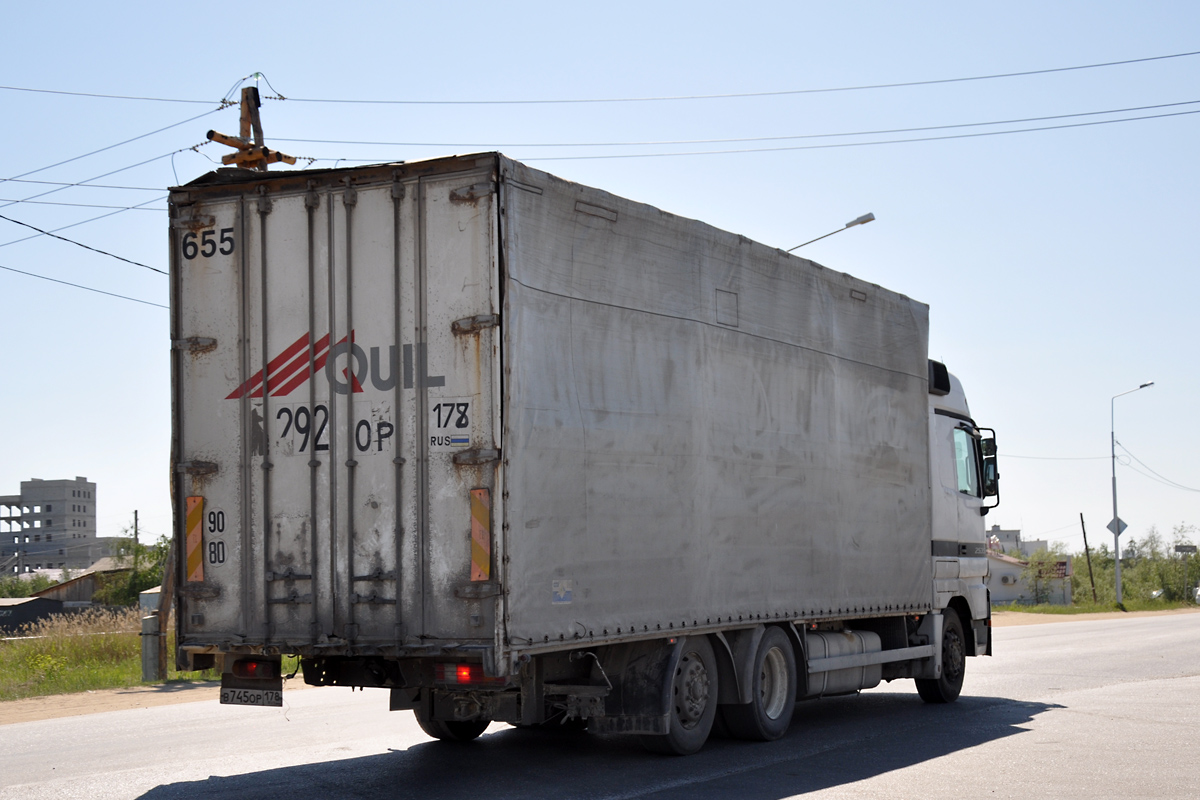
(1059, 264)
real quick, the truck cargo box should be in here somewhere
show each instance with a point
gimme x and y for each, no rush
(464, 404)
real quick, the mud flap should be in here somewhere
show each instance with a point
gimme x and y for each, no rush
(640, 701)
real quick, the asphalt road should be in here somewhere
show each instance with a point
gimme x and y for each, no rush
(1093, 709)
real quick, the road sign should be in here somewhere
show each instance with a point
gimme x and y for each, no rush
(1117, 526)
(1185, 548)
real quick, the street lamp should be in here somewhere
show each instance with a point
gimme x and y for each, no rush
(1116, 526)
(863, 220)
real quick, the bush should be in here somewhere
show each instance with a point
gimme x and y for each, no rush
(94, 649)
(1148, 565)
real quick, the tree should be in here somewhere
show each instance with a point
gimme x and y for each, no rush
(15, 586)
(145, 566)
(1040, 569)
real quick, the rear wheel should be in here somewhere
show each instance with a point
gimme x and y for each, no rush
(954, 663)
(693, 701)
(452, 730)
(767, 717)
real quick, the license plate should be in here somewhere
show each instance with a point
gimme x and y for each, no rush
(251, 697)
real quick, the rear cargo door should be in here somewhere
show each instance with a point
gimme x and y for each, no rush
(459, 414)
(336, 395)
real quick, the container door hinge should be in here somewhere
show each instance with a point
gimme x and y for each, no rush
(196, 467)
(477, 591)
(470, 194)
(476, 458)
(188, 219)
(196, 344)
(475, 323)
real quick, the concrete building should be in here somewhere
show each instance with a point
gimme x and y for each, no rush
(50, 525)
(1010, 540)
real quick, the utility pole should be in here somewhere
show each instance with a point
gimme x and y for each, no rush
(1088, 553)
(1117, 525)
(135, 540)
(251, 153)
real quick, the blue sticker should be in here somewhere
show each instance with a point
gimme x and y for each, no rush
(561, 591)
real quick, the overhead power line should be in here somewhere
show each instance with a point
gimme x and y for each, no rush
(225, 101)
(81, 222)
(80, 205)
(81, 286)
(109, 96)
(784, 93)
(746, 139)
(96, 178)
(1057, 458)
(84, 246)
(817, 146)
(867, 144)
(82, 185)
(111, 146)
(1161, 478)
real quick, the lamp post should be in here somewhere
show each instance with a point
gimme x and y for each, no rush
(1116, 526)
(863, 220)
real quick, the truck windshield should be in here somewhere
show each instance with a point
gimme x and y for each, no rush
(966, 463)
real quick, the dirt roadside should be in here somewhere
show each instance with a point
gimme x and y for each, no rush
(71, 705)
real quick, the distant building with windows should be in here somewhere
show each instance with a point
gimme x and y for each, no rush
(1007, 579)
(1010, 540)
(50, 525)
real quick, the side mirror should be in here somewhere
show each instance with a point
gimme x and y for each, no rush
(991, 477)
(991, 473)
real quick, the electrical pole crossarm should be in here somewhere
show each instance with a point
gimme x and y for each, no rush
(254, 155)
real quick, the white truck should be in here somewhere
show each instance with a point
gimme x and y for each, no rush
(520, 450)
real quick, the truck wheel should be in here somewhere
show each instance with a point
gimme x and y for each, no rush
(954, 663)
(773, 687)
(693, 701)
(452, 730)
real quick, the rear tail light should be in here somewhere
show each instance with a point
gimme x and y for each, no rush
(249, 668)
(462, 674)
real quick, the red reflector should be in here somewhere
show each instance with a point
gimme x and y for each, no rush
(462, 673)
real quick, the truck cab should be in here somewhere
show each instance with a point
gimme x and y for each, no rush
(964, 488)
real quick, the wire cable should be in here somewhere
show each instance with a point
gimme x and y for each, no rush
(78, 205)
(105, 175)
(865, 144)
(84, 185)
(1056, 458)
(784, 93)
(109, 96)
(111, 146)
(84, 246)
(81, 222)
(81, 286)
(226, 101)
(736, 140)
(812, 146)
(1163, 478)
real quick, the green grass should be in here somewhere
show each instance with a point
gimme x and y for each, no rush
(1094, 608)
(96, 649)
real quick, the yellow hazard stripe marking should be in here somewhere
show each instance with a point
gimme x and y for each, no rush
(195, 538)
(481, 534)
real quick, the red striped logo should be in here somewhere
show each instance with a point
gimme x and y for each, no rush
(289, 370)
